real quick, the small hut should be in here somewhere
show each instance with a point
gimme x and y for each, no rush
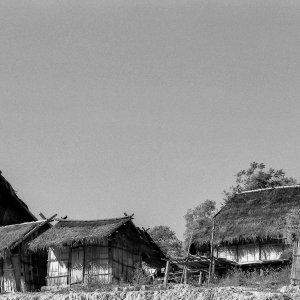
(21, 270)
(252, 229)
(99, 251)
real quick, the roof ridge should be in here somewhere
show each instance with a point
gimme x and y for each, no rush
(270, 188)
(96, 220)
(25, 223)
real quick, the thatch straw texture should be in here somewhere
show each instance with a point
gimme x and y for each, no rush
(261, 214)
(12, 235)
(13, 209)
(70, 233)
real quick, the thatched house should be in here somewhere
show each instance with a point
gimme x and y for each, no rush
(21, 270)
(253, 228)
(100, 251)
(12, 209)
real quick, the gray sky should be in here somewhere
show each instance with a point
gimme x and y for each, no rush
(145, 106)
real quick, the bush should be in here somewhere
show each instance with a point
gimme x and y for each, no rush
(139, 277)
(268, 279)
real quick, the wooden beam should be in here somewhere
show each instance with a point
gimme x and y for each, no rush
(51, 218)
(43, 216)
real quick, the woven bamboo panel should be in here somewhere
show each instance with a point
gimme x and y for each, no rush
(96, 264)
(57, 267)
(77, 265)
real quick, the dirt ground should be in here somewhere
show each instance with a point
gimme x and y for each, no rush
(176, 292)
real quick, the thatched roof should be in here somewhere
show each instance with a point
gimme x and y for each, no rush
(258, 214)
(13, 209)
(12, 235)
(72, 232)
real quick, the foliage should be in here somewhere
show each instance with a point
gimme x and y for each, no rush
(139, 276)
(199, 218)
(258, 177)
(293, 226)
(166, 240)
(270, 278)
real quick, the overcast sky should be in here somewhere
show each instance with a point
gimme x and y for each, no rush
(148, 106)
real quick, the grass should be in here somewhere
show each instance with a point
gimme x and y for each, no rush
(268, 280)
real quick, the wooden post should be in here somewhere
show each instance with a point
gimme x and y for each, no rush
(185, 275)
(2, 274)
(166, 273)
(69, 266)
(83, 265)
(213, 266)
(211, 251)
(200, 278)
(182, 276)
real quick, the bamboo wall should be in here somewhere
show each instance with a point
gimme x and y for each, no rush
(57, 267)
(248, 253)
(295, 274)
(125, 256)
(113, 259)
(97, 266)
(7, 278)
(89, 264)
(22, 272)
